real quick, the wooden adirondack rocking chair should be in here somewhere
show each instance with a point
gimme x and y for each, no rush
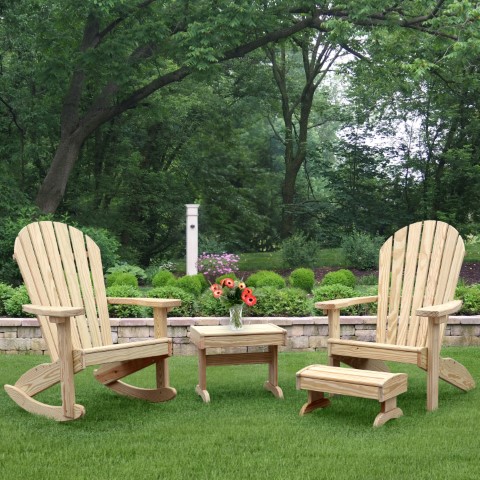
(62, 270)
(419, 267)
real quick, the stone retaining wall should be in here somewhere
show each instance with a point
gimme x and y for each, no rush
(22, 335)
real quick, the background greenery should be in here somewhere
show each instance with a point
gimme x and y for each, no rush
(361, 125)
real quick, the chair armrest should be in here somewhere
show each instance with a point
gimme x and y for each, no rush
(344, 302)
(52, 311)
(442, 310)
(145, 302)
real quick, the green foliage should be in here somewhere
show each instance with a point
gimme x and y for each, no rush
(274, 302)
(163, 278)
(127, 268)
(203, 281)
(303, 278)
(342, 277)
(6, 291)
(298, 251)
(9, 229)
(361, 250)
(265, 278)
(470, 296)
(13, 305)
(122, 278)
(187, 309)
(125, 311)
(371, 279)
(337, 291)
(107, 243)
(191, 284)
(208, 306)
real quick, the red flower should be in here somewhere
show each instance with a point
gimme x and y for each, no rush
(247, 291)
(227, 282)
(215, 286)
(217, 293)
(250, 300)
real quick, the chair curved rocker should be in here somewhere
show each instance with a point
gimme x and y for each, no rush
(419, 267)
(62, 270)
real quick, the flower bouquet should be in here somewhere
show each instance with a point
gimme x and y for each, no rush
(235, 294)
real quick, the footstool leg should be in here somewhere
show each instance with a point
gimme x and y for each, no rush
(388, 411)
(315, 400)
(272, 383)
(201, 388)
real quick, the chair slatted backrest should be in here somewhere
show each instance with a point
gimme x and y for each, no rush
(419, 266)
(62, 267)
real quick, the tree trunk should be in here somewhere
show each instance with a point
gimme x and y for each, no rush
(53, 187)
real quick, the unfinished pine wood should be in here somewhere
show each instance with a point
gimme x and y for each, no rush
(223, 337)
(381, 386)
(62, 271)
(419, 267)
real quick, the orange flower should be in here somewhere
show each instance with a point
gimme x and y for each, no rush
(227, 282)
(215, 286)
(217, 293)
(250, 300)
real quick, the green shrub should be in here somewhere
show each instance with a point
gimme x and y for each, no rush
(13, 305)
(336, 291)
(191, 284)
(122, 278)
(470, 296)
(127, 268)
(342, 277)
(107, 243)
(272, 302)
(298, 251)
(163, 278)
(265, 278)
(208, 306)
(361, 250)
(303, 278)
(187, 309)
(10, 227)
(203, 281)
(371, 279)
(6, 291)
(125, 311)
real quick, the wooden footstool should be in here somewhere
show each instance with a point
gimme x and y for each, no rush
(382, 386)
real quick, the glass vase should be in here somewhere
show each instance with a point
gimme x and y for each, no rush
(236, 319)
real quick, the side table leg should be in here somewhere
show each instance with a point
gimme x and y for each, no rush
(272, 383)
(201, 388)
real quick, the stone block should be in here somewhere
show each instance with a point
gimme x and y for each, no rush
(347, 330)
(134, 332)
(317, 342)
(296, 330)
(299, 343)
(180, 340)
(177, 332)
(309, 330)
(29, 332)
(364, 335)
(256, 349)
(38, 344)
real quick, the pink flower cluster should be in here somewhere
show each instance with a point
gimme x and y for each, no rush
(213, 265)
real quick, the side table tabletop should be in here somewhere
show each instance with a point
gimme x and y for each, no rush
(223, 336)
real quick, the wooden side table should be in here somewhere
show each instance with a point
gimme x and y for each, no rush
(251, 335)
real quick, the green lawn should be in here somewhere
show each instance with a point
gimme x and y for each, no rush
(244, 433)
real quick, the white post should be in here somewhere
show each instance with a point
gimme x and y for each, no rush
(192, 238)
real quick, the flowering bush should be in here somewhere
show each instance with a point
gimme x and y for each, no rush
(213, 265)
(233, 292)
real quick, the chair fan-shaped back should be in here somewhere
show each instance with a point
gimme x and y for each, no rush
(62, 267)
(419, 266)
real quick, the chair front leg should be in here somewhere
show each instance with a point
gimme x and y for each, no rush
(433, 366)
(65, 352)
